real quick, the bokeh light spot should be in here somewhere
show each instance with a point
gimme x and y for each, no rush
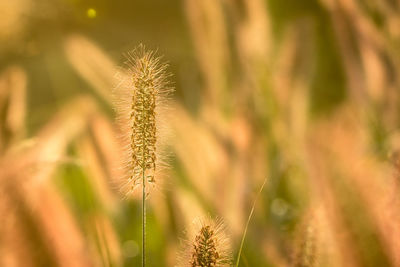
(279, 207)
(91, 13)
(130, 249)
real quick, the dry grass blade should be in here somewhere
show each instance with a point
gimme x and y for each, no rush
(12, 103)
(45, 222)
(92, 64)
(208, 29)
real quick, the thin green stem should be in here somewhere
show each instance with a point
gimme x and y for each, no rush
(143, 219)
(247, 224)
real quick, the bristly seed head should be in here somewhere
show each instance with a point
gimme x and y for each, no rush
(208, 247)
(143, 138)
(205, 253)
(145, 86)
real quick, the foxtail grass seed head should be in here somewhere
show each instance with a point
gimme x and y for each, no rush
(144, 87)
(209, 247)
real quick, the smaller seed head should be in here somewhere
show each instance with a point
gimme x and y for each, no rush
(209, 247)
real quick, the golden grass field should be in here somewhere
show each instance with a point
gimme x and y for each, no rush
(299, 95)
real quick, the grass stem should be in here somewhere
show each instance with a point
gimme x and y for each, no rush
(247, 224)
(143, 219)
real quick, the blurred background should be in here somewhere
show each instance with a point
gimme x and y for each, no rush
(300, 94)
